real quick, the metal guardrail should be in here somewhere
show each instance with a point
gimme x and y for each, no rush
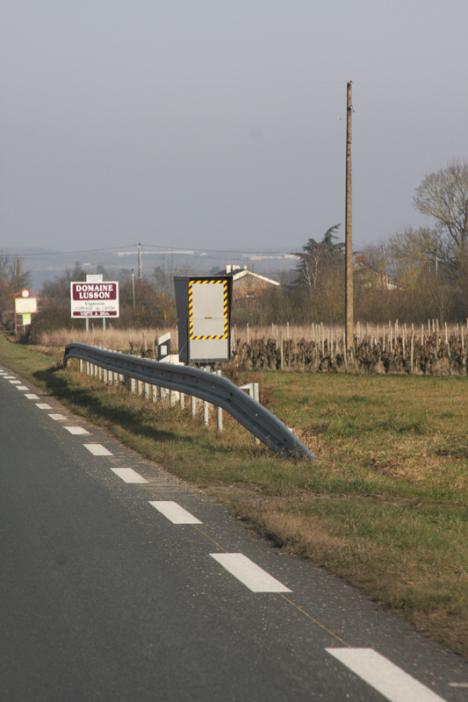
(210, 387)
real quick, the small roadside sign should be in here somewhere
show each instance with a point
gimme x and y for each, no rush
(94, 299)
(25, 305)
(26, 319)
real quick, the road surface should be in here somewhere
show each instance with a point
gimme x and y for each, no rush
(121, 583)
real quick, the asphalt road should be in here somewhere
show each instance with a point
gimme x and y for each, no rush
(104, 597)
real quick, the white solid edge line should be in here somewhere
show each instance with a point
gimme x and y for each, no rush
(32, 396)
(43, 406)
(128, 475)
(174, 512)
(97, 449)
(58, 417)
(77, 430)
(384, 676)
(249, 573)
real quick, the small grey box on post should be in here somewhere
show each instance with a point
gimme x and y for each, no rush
(204, 318)
(163, 346)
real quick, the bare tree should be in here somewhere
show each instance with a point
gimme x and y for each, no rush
(418, 248)
(444, 196)
(18, 277)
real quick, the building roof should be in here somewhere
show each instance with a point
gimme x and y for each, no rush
(238, 273)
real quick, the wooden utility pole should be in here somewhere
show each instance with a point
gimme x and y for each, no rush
(140, 262)
(349, 307)
(133, 290)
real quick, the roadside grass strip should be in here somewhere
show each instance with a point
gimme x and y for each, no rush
(43, 406)
(77, 431)
(57, 417)
(97, 449)
(32, 396)
(385, 677)
(249, 573)
(174, 512)
(128, 475)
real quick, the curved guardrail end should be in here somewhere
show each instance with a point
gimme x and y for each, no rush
(212, 388)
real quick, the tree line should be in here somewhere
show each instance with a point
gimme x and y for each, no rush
(418, 274)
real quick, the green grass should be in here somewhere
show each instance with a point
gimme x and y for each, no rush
(385, 505)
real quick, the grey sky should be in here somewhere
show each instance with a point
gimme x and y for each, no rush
(208, 123)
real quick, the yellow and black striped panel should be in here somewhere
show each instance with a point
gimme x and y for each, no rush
(208, 281)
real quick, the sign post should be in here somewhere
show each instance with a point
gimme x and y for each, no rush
(25, 307)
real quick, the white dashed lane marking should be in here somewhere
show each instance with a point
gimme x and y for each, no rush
(391, 681)
(77, 430)
(57, 417)
(15, 382)
(32, 396)
(175, 513)
(97, 449)
(22, 387)
(128, 475)
(249, 573)
(10, 377)
(43, 406)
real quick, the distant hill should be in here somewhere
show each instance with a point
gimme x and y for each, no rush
(47, 264)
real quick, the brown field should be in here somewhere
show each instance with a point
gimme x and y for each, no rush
(383, 349)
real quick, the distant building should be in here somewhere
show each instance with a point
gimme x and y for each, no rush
(371, 278)
(247, 284)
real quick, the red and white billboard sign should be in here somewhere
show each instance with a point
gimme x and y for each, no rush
(94, 299)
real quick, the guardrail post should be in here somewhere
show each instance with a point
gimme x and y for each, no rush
(219, 413)
(194, 406)
(206, 413)
(219, 419)
(81, 366)
(256, 397)
(182, 400)
(256, 392)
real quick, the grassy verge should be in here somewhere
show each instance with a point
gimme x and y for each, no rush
(385, 505)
